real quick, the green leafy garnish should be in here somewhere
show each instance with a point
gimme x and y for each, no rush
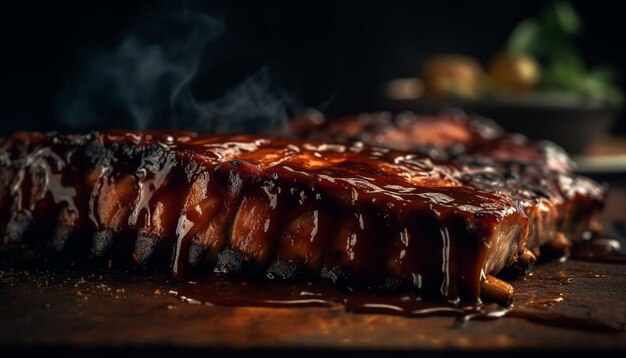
(550, 39)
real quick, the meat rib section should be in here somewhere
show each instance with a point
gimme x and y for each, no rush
(443, 137)
(537, 175)
(355, 215)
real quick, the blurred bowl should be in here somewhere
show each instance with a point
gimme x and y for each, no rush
(568, 120)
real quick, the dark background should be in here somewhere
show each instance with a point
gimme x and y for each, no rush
(331, 55)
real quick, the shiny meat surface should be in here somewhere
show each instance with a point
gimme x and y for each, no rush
(537, 175)
(355, 215)
(442, 137)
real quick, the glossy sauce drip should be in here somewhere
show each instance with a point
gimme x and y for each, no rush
(221, 290)
(536, 305)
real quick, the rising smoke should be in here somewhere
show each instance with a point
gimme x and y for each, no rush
(146, 82)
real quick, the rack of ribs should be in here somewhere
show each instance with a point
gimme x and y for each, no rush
(286, 209)
(560, 206)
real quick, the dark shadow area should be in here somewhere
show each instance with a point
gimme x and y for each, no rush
(334, 56)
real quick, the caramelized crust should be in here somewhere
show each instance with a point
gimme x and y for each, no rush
(538, 176)
(258, 206)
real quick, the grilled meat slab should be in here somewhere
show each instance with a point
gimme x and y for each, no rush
(353, 214)
(538, 175)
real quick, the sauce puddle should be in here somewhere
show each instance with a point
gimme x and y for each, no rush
(537, 299)
(536, 305)
(221, 290)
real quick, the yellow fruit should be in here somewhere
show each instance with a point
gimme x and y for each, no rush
(514, 72)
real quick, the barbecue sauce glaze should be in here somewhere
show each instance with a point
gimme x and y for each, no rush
(357, 217)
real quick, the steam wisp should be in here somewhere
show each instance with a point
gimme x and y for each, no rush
(146, 82)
